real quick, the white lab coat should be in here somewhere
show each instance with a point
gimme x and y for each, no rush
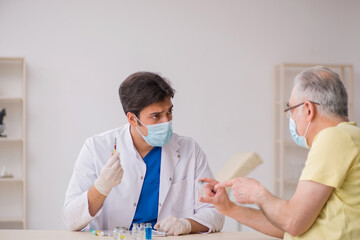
(182, 163)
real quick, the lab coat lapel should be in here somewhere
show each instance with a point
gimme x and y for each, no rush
(169, 160)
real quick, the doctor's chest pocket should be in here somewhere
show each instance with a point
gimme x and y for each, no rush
(181, 198)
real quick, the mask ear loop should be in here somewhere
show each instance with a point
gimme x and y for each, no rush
(137, 127)
(307, 128)
(139, 120)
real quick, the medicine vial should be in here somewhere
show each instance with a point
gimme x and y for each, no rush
(135, 232)
(122, 234)
(142, 231)
(148, 231)
(116, 233)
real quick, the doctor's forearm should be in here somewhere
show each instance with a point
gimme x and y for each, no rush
(96, 200)
(197, 227)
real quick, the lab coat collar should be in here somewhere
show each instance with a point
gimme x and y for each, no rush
(129, 141)
(173, 145)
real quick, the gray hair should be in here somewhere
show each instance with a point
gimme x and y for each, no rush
(324, 86)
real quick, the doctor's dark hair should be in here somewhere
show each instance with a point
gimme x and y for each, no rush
(142, 89)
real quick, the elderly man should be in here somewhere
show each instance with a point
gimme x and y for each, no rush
(326, 204)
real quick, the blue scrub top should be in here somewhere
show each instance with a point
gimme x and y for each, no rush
(147, 207)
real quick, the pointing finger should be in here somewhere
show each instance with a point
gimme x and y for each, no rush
(209, 180)
(225, 184)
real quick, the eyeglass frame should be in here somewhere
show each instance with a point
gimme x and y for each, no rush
(287, 113)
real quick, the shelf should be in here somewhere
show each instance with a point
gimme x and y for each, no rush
(297, 65)
(10, 140)
(287, 143)
(11, 100)
(13, 147)
(281, 103)
(12, 219)
(11, 180)
(19, 59)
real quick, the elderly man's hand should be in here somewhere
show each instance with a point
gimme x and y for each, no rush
(246, 190)
(218, 198)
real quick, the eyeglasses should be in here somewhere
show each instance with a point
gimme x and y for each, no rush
(288, 110)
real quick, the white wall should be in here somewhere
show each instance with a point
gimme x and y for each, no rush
(219, 56)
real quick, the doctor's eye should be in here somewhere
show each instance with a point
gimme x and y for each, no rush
(155, 116)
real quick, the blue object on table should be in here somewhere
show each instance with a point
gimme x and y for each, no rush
(148, 231)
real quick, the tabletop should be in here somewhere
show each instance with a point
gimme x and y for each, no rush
(70, 235)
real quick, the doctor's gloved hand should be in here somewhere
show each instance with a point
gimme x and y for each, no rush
(173, 226)
(110, 175)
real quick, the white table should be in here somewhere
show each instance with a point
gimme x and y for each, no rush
(69, 235)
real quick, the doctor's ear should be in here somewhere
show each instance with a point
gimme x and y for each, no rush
(132, 119)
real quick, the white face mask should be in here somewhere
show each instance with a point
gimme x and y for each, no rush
(299, 140)
(158, 134)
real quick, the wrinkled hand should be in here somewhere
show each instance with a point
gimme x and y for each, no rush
(173, 226)
(217, 197)
(209, 187)
(246, 190)
(110, 175)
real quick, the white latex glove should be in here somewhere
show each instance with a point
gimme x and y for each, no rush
(173, 226)
(110, 175)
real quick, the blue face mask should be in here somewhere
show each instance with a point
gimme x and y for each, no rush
(158, 134)
(299, 140)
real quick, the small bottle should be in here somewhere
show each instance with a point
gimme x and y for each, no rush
(116, 233)
(122, 234)
(148, 231)
(135, 231)
(100, 233)
(142, 231)
(93, 232)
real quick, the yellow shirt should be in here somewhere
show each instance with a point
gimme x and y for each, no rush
(334, 160)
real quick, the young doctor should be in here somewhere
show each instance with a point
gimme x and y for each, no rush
(152, 177)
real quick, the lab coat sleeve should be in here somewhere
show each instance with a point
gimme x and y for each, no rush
(76, 214)
(205, 214)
